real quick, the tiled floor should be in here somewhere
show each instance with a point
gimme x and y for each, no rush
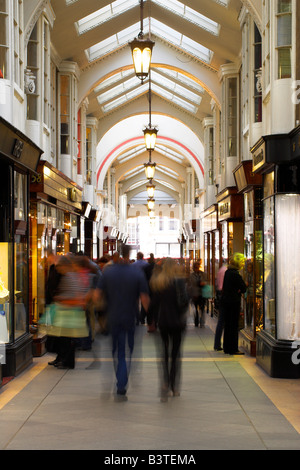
(226, 402)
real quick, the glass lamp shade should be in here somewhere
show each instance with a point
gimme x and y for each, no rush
(150, 134)
(141, 50)
(150, 190)
(151, 214)
(151, 204)
(150, 170)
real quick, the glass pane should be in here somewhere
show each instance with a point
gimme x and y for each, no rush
(64, 85)
(5, 290)
(3, 5)
(287, 273)
(32, 103)
(3, 62)
(21, 284)
(284, 6)
(284, 30)
(32, 54)
(20, 200)
(269, 266)
(21, 255)
(224, 242)
(284, 63)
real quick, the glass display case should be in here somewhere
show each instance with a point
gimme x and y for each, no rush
(253, 270)
(5, 291)
(280, 335)
(19, 158)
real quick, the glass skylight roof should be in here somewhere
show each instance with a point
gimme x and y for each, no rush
(174, 99)
(162, 86)
(161, 30)
(168, 171)
(134, 152)
(173, 86)
(104, 14)
(169, 153)
(113, 79)
(180, 77)
(118, 90)
(189, 14)
(125, 97)
(135, 171)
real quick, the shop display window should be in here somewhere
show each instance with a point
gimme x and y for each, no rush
(224, 242)
(21, 284)
(20, 254)
(287, 222)
(269, 266)
(253, 298)
(5, 291)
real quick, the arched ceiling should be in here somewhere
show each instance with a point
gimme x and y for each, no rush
(192, 40)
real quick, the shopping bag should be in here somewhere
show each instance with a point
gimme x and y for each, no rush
(207, 291)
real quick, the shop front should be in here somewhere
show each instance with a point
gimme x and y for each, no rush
(212, 248)
(19, 159)
(250, 186)
(56, 227)
(92, 223)
(230, 217)
(109, 241)
(277, 159)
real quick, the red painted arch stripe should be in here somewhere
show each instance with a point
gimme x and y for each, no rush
(140, 138)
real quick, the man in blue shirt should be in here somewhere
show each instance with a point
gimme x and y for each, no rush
(123, 286)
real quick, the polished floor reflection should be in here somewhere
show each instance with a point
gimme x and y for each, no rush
(225, 402)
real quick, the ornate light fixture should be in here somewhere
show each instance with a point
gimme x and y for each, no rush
(150, 189)
(150, 168)
(151, 214)
(141, 50)
(150, 133)
(151, 204)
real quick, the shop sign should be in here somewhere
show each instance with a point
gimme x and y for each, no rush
(224, 209)
(259, 157)
(17, 147)
(295, 145)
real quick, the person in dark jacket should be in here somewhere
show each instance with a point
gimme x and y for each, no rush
(169, 286)
(233, 287)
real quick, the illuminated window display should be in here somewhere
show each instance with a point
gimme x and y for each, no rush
(277, 159)
(19, 158)
(5, 289)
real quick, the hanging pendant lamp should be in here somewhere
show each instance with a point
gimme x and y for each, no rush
(141, 50)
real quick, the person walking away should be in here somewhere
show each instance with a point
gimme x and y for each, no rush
(151, 316)
(220, 324)
(196, 282)
(123, 287)
(140, 263)
(173, 302)
(233, 287)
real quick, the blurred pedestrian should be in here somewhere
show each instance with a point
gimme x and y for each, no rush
(69, 318)
(123, 286)
(151, 314)
(196, 282)
(220, 324)
(140, 263)
(171, 292)
(233, 287)
(53, 278)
